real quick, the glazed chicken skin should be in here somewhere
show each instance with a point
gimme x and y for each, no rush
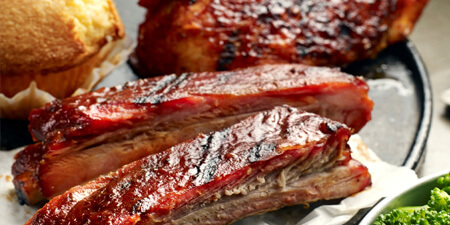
(214, 35)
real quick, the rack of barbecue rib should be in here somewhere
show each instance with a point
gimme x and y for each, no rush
(184, 145)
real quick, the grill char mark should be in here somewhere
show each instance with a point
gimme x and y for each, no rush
(228, 54)
(161, 88)
(211, 157)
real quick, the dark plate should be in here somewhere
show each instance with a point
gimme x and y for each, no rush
(398, 81)
(399, 86)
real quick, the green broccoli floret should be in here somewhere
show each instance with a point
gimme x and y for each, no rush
(439, 218)
(445, 182)
(428, 216)
(394, 217)
(439, 200)
(436, 212)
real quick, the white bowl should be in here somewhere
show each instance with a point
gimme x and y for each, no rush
(416, 195)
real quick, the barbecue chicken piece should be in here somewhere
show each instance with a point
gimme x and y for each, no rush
(89, 135)
(273, 159)
(214, 35)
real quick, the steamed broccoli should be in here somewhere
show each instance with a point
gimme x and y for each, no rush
(396, 216)
(439, 200)
(435, 212)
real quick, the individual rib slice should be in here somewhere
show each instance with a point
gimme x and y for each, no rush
(214, 93)
(273, 159)
(95, 133)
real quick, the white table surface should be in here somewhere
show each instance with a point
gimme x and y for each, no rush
(432, 39)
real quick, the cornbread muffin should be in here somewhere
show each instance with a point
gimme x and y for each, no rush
(55, 43)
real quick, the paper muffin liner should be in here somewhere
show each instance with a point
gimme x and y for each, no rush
(19, 106)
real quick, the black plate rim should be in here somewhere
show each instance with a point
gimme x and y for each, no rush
(417, 152)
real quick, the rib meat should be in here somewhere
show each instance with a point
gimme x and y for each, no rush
(272, 159)
(210, 35)
(88, 135)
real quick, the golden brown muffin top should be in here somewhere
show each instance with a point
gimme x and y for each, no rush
(41, 36)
